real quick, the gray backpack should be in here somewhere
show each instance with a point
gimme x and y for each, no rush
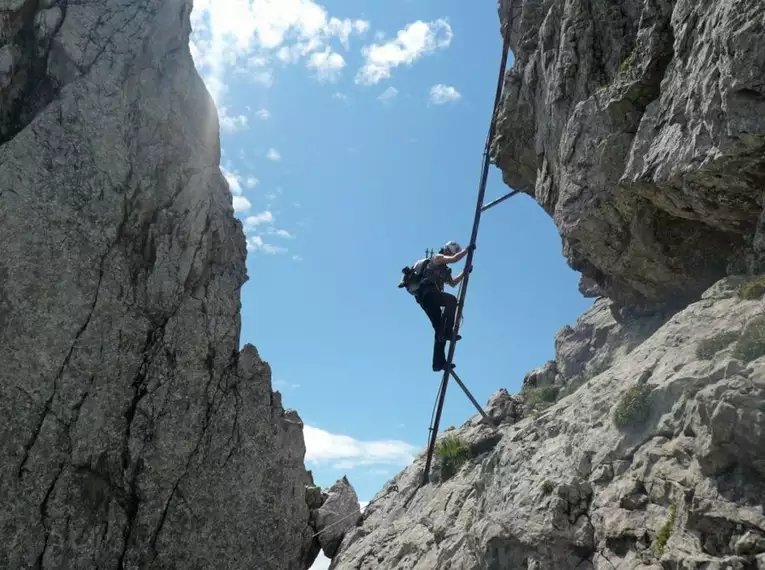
(413, 276)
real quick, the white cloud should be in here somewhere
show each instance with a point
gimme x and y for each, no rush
(251, 182)
(297, 258)
(345, 452)
(258, 219)
(233, 181)
(440, 94)
(340, 96)
(263, 114)
(413, 42)
(273, 154)
(248, 35)
(283, 234)
(328, 64)
(241, 204)
(388, 94)
(256, 243)
(231, 124)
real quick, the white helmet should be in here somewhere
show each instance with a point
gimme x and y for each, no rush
(452, 248)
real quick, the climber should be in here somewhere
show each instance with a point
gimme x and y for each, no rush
(431, 297)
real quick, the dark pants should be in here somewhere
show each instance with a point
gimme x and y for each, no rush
(432, 301)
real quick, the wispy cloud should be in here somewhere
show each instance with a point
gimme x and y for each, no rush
(327, 64)
(263, 114)
(251, 182)
(256, 243)
(264, 78)
(231, 124)
(389, 94)
(340, 96)
(413, 42)
(440, 94)
(273, 154)
(261, 218)
(345, 452)
(284, 385)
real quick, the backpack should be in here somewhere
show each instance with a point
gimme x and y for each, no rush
(413, 276)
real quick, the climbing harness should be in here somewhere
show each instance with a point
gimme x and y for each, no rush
(480, 208)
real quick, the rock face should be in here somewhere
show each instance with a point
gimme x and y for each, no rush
(656, 462)
(339, 513)
(639, 126)
(134, 433)
(597, 339)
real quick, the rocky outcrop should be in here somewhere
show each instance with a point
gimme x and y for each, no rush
(597, 339)
(655, 462)
(339, 512)
(639, 126)
(546, 375)
(134, 433)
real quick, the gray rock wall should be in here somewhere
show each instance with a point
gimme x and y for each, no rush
(134, 434)
(639, 126)
(657, 462)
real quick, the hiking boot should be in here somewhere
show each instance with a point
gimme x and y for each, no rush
(442, 367)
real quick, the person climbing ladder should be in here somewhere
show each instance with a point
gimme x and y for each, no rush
(430, 295)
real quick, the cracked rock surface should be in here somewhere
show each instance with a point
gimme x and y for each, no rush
(675, 481)
(639, 126)
(338, 513)
(134, 433)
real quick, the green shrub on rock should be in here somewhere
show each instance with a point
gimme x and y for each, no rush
(753, 288)
(452, 453)
(634, 407)
(540, 398)
(665, 532)
(751, 345)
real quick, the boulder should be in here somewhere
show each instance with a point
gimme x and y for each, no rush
(339, 513)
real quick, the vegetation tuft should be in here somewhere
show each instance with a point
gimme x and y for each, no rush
(453, 453)
(540, 398)
(752, 289)
(751, 345)
(634, 407)
(666, 531)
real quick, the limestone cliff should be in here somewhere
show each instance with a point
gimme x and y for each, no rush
(134, 433)
(639, 125)
(656, 462)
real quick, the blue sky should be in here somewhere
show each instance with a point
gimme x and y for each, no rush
(352, 134)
